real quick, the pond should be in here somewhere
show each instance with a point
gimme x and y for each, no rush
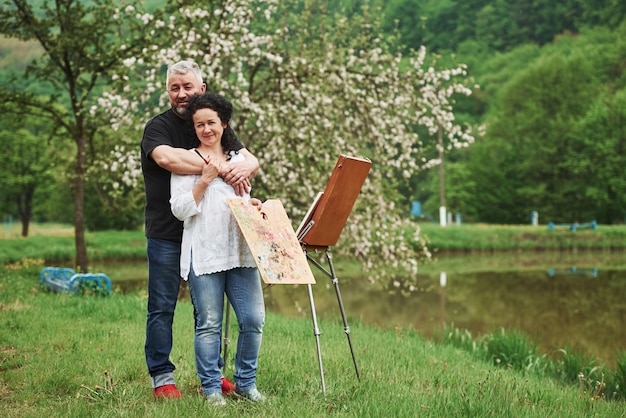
(559, 299)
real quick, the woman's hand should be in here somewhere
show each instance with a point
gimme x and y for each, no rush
(210, 171)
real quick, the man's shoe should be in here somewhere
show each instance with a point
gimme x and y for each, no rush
(227, 386)
(167, 392)
(252, 395)
(216, 398)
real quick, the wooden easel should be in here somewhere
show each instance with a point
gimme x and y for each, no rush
(321, 227)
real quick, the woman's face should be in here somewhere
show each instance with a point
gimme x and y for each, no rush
(209, 127)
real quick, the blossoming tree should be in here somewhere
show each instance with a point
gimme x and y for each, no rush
(307, 87)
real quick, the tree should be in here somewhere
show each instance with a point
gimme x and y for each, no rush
(408, 17)
(596, 159)
(549, 144)
(307, 88)
(438, 117)
(83, 44)
(26, 160)
(535, 116)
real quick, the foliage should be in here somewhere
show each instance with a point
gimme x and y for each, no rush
(601, 137)
(533, 155)
(548, 98)
(499, 25)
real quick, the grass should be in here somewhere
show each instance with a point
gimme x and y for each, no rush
(56, 243)
(514, 350)
(83, 356)
(76, 356)
(104, 245)
(483, 237)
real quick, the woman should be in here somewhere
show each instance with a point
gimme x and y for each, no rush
(214, 255)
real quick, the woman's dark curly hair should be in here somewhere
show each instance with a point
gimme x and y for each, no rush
(224, 110)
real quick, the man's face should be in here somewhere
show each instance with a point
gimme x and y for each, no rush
(180, 87)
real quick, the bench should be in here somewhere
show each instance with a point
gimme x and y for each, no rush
(573, 227)
(65, 280)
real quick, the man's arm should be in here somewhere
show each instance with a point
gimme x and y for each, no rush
(238, 174)
(181, 161)
(240, 170)
(177, 160)
(254, 163)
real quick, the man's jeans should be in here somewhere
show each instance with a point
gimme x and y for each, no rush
(243, 288)
(163, 286)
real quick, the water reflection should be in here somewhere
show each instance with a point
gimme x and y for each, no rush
(481, 293)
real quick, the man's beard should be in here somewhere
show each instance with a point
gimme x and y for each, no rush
(182, 111)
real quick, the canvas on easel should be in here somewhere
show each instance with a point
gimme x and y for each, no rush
(273, 243)
(327, 216)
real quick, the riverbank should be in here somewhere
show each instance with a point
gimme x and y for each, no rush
(492, 238)
(78, 356)
(56, 242)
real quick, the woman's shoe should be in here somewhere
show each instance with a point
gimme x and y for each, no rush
(252, 395)
(216, 398)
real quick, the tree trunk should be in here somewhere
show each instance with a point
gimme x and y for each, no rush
(24, 207)
(79, 200)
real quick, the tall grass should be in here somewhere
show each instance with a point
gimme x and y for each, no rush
(514, 350)
(77, 356)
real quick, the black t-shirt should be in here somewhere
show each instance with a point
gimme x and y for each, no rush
(164, 129)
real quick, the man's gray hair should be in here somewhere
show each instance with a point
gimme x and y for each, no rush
(183, 67)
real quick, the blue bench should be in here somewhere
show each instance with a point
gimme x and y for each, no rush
(573, 227)
(65, 280)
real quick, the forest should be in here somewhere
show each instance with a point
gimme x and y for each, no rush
(547, 110)
(552, 99)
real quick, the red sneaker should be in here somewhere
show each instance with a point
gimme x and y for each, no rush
(167, 392)
(227, 386)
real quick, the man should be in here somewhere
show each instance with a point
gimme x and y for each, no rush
(164, 149)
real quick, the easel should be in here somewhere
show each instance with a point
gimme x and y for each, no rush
(320, 230)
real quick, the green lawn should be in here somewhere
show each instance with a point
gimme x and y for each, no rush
(78, 356)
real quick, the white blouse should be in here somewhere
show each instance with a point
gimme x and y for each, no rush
(212, 240)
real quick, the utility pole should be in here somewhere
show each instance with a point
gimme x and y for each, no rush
(442, 192)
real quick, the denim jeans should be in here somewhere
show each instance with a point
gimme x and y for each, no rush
(163, 286)
(243, 288)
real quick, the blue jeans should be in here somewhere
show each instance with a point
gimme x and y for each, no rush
(243, 288)
(163, 285)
